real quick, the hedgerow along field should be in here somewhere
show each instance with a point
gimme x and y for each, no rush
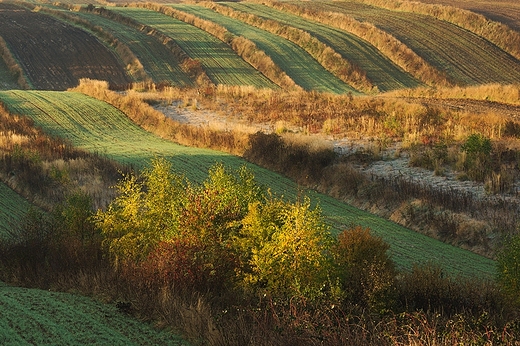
(378, 68)
(39, 317)
(220, 62)
(304, 70)
(97, 127)
(55, 55)
(466, 58)
(158, 62)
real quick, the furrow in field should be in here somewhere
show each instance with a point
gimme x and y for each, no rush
(55, 55)
(294, 61)
(102, 128)
(220, 62)
(378, 68)
(467, 58)
(157, 60)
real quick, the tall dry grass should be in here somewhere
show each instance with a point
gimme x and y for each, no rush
(509, 94)
(390, 46)
(13, 65)
(324, 54)
(495, 32)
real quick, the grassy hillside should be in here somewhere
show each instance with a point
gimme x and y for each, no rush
(220, 62)
(12, 208)
(96, 126)
(297, 64)
(464, 56)
(38, 317)
(378, 68)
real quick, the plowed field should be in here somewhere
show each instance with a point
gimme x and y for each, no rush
(467, 58)
(55, 55)
(504, 11)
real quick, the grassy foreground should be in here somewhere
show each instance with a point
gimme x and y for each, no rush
(96, 126)
(38, 317)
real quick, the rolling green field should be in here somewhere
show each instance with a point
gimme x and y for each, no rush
(38, 317)
(464, 56)
(221, 63)
(158, 62)
(12, 208)
(304, 70)
(98, 127)
(379, 69)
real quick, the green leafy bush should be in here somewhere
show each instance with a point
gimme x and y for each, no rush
(286, 248)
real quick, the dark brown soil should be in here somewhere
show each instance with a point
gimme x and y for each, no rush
(55, 55)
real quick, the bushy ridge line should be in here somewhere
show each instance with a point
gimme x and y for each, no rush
(13, 65)
(324, 54)
(391, 47)
(244, 47)
(133, 65)
(495, 32)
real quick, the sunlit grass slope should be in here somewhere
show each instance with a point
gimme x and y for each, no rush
(464, 56)
(294, 61)
(12, 208)
(378, 68)
(158, 62)
(220, 62)
(96, 126)
(38, 317)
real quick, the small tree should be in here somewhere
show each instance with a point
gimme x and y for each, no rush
(477, 149)
(364, 267)
(287, 246)
(145, 212)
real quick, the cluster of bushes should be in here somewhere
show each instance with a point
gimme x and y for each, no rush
(226, 262)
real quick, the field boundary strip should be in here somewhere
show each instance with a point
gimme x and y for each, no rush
(221, 64)
(290, 57)
(332, 61)
(395, 50)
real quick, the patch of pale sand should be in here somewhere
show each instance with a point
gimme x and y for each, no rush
(393, 163)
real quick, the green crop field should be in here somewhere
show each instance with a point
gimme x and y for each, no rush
(98, 127)
(293, 60)
(379, 69)
(158, 62)
(464, 56)
(38, 317)
(221, 63)
(12, 208)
